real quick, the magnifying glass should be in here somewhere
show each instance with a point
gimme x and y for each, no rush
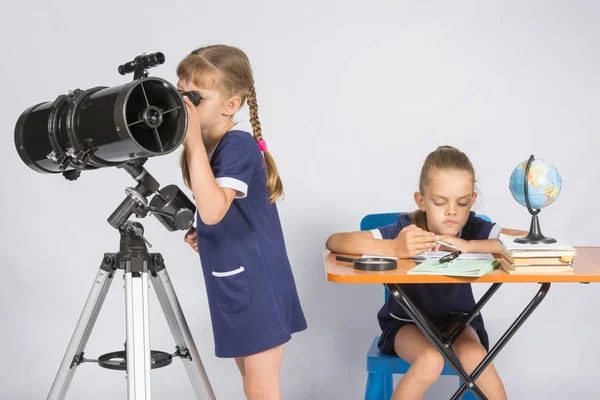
(450, 257)
(370, 263)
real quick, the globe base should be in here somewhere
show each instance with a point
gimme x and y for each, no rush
(535, 234)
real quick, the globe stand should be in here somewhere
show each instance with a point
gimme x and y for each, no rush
(535, 234)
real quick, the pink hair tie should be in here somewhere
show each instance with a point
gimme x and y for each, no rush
(262, 144)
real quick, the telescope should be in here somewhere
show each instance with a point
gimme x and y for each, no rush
(105, 126)
(122, 126)
(119, 126)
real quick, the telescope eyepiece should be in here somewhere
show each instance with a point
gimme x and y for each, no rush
(142, 62)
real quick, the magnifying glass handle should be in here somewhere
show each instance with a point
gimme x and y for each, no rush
(342, 258)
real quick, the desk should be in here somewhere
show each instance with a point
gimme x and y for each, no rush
(586, 267)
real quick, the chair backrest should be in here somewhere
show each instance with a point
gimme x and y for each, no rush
(373, 221)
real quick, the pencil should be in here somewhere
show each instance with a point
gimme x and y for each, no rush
(446, 244)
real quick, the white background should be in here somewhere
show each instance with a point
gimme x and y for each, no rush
(352, 97)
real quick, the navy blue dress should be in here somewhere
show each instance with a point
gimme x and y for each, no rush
(443, 303)
(252, 296)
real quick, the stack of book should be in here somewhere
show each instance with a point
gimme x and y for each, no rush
(519, 258)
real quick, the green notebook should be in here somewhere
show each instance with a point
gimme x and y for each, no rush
(472, 268)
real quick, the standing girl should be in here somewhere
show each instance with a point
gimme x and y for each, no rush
(253, 301)
(445, 197)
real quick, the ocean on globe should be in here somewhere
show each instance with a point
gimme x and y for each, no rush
(543, 184)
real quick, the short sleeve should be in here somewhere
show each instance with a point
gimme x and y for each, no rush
(391, 231)
(234, 162)
(387, 232)
(482, 229)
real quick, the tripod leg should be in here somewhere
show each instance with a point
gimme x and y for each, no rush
(74, 354)
(180, 330)
(138, 335)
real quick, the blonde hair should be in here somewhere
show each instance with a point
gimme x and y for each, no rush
(228, 69)
(443, 158)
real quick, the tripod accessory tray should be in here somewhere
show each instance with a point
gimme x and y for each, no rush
(118, 360)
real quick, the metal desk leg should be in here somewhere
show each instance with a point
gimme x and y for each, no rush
(423, 324)
(484, 299)
(512, 329)
(445, 349)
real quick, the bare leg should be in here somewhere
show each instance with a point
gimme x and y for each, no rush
(240, 363)
(261, 374)
(470, 351)
(426, 363)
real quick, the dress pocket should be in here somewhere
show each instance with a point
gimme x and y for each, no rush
(232, 290)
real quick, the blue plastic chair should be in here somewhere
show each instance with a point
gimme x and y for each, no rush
(381, 367)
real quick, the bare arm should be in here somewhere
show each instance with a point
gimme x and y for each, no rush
(481, 246)
(513, 232)
(212, 201)
(361, 242)
(409, 242)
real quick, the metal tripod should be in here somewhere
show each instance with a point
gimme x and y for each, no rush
(138, 265)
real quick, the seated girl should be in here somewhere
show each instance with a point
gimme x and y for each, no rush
(445, 198)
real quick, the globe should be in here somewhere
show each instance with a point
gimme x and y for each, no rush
(543, 183)
(543, 187)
